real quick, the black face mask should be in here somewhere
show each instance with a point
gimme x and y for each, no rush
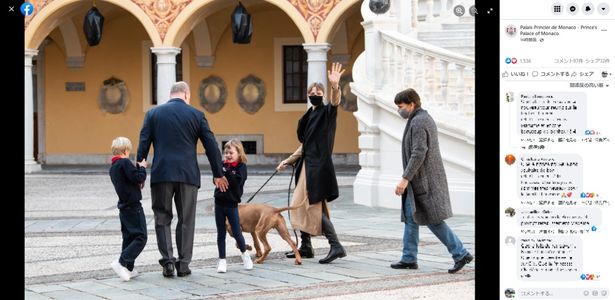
(315, 100)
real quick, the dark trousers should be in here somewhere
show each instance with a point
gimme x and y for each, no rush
(185, 203)
(232, 213)
(134, 235)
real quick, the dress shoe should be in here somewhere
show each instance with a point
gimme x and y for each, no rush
(181, 272)
(185, 273)
(403, 265)
(459, 265)
(168, 270)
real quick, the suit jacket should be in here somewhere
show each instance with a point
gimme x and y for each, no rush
(424, 168)
(174, 128)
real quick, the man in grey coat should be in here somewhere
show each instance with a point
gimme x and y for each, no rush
(426, 200)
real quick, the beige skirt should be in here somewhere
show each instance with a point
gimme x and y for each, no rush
(307, 217)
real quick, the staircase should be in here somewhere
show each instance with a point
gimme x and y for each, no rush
(436, 59)
(458, 38)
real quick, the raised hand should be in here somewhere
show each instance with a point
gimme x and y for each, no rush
(335, 74)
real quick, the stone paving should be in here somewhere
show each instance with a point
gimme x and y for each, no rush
(72, 233)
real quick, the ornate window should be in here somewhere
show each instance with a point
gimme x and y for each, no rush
(295, 74)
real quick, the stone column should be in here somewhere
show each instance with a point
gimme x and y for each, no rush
(29, 163)
(405, 16)
(317, 63)
(165, 62)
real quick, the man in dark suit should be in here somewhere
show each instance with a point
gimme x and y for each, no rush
(175, 128)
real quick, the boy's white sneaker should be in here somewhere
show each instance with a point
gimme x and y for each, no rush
(247, 261)
(134, 273)
(222, 266)
(120, 270)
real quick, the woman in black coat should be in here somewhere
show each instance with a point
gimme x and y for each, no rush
(316, 183)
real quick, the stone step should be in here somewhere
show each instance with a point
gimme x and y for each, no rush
(458, 26)
(465, 33)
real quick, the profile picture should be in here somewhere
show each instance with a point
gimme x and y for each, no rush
(510, 97)
(511, 30)
(509, 241)
(509, 211)
(509, 293)
(510, 159)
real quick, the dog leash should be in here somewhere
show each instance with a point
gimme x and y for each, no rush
(288, 204)
(276, 171)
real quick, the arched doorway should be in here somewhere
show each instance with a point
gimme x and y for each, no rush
(71, 127)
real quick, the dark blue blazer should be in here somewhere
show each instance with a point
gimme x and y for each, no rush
(126, 178)
(174, 128)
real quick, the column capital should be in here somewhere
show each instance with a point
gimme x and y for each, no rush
(30, 52)
(165, 50)
(316, 47)
(28, 55)
(165, 55)
(317, 52)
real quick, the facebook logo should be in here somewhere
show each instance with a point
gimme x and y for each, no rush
(27, 9)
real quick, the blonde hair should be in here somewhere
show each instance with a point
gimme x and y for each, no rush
(120, 145)
(317, 85)
(239, 146)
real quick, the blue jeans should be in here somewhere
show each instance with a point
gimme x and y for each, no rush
(440, 230)
(232, 213)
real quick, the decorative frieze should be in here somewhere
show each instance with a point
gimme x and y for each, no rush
(314, 12)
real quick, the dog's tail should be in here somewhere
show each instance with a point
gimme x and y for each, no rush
(281, 209)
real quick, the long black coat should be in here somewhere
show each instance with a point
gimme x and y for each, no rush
(316, 130)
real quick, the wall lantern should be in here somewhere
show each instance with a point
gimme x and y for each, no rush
(93, 26)
(241, 22)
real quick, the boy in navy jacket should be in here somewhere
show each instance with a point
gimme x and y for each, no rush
(127, 180)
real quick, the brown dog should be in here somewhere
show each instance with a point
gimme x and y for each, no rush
(258, 219)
